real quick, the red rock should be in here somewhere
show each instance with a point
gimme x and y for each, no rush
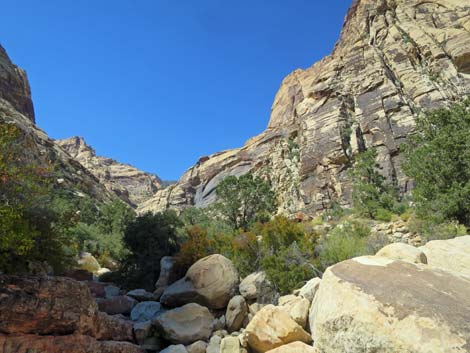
(61, 344)
(79, 275)
(97, 289)
(120, 304)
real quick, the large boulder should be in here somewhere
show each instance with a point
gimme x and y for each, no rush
(88, 262)
(451, 255)
(272, 327)
(61, 305)
(237, 310)
(57, 314)
(404, 252)
(211, 282)
(185, 325)
(390, 306)
(120, 304)
(295, 347)
(145, 311)
(256, 286)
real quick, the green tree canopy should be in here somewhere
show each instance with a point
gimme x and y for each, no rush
(244, 200)
(437, 157)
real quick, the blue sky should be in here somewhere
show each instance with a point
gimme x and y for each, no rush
(160, 83)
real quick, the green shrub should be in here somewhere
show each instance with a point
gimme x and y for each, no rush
(372, 194)
(345, 241)
(383, 215)
(437, 158)
(196, 246)
(148, 238)
(429, 230)
(244, 200)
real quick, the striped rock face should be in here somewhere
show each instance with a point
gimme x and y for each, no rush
(394, 58)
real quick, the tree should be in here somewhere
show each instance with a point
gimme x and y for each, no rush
(244, 200)
(437, 157)
(148, 238)
(372, 195)
(26, 230)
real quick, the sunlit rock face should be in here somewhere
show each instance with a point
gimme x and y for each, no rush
(14, 86)
(394, 59)
(130, 183)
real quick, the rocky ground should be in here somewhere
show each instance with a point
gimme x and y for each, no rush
(404, 299)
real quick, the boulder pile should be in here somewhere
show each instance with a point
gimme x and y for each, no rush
(403, 299)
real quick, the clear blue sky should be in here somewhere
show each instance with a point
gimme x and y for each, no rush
(159, 83)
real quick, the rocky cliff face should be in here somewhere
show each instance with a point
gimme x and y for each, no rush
(14, 86)
(128, 182)
(394, 59)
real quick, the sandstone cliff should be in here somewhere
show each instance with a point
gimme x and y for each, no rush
(394, 58)
(130, 183)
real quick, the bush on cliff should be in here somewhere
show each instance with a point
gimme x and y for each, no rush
(244, 200)
(437, 157)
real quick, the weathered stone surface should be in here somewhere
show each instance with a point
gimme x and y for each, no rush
(120, 304)
(111, 328)
(390, 306)
(61, 344)
(404, 252)
(296, 307)
(111, 291)
(142, 295)
(45, 305)
(272, 327)
(309, 290)
(237, 310)
(211, 282)
(197, 347)
(230, 344)
(179, 348)
(133, 185)
(145, 311)
(297, 347)
(451, 255)
(96, 289)
(185, 325)
(88, 262)
(393, 59)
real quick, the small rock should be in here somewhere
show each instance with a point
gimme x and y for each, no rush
(309, 290)
(230, 345)
(117, 305)
(145, 311)
(142, 295)
(111, 291)
(175, 349)
(237, 310)
(197, 347)
(214, 345)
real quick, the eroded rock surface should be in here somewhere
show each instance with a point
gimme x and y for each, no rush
(391, 306)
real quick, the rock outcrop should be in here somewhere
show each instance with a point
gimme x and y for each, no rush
(394, 58)
(131, 184)
(47, 314)
(390, 306)
(14, 86)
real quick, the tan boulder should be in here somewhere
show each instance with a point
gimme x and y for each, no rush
(211, 282)
(309, 290)
(197, 347)
(390, 306)
(256, 286)
(272, 327)
(185, 325)
(230, 344)
(295, 347)
(450, 255)
(237, 310)
(404, 252)
(296, 307)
